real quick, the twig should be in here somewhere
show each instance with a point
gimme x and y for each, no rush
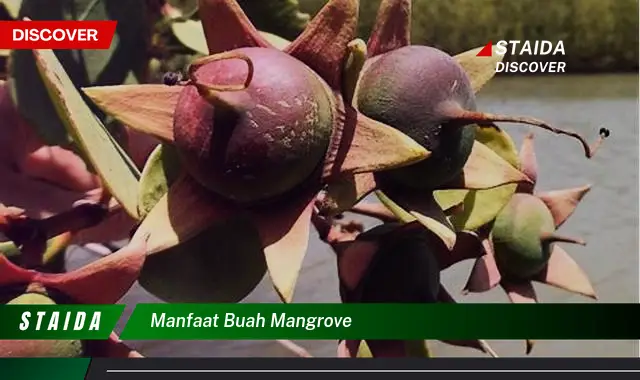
(296, 349)
(32, 234)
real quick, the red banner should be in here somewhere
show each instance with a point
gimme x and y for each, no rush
(56, 34)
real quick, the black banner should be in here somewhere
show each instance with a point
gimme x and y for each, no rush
(330, 368)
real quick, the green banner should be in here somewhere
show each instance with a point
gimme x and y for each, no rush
(383, 321)
(43, 368)
(86, 322)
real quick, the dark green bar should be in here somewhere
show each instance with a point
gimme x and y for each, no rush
(399, 321)
(13, 321)
(41, 368)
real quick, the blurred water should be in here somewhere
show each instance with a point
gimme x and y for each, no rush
(607, 218)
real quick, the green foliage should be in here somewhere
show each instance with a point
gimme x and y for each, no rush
(479, 207)
(119, 174)
(598, 35)
(160, 171)
(126, 57)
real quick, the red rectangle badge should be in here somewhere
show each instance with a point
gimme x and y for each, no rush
(56, 34)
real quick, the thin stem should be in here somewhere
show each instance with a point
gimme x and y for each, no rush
(24, 230)
(483, 118)
(198, 63)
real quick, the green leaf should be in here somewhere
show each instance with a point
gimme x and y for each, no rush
(160, 171)
(12, 7)
(88, 67)
(398, 211)
(120, 176)
(500, 142)
(191, 34)
(223, 263)
(479, 207)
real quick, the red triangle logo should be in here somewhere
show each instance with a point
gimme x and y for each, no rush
(486, 51)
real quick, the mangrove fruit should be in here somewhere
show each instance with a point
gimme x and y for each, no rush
(517, 232)
(260, 139)
(418, 89)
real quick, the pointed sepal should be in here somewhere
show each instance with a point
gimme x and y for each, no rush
(562, 203)
(564, 273)
(409, 206)
(485, 169)
(147, 108)
(285, 238)
(392, 29)
(520, 291)
(104, 281)
(484, 274)
(374, 146)
(323, 44)
(528, 160)
(227, 27)
(182, 213)
(480, 70)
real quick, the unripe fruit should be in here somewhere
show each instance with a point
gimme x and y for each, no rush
(410, 89)
(256, 143)
(518, 231)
